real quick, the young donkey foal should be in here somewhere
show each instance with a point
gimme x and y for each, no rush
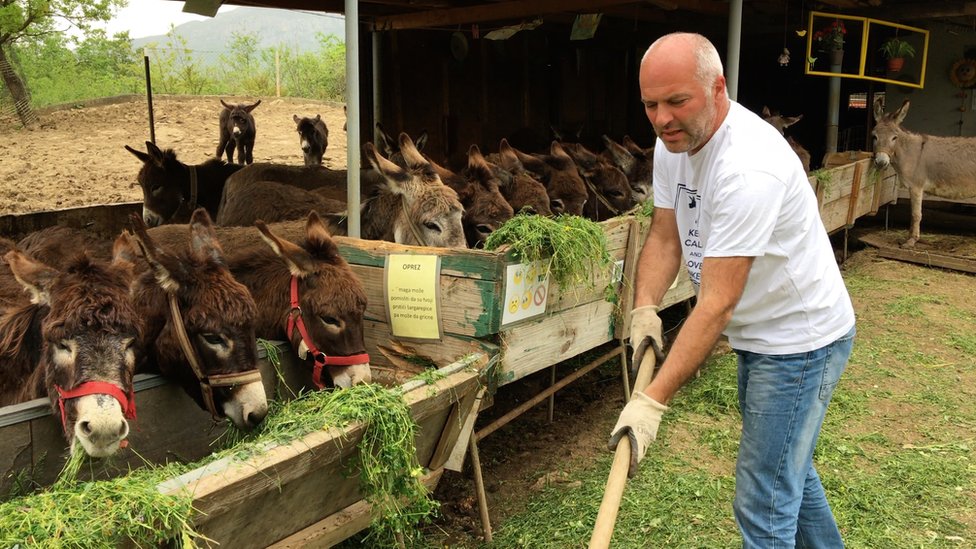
(77, 341)
(940, 166)
(313, 136)
(237, 129)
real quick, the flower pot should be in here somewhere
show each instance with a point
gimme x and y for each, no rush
(895, 64)
(836, 57)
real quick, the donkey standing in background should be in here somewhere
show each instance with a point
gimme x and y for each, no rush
(237, 129)
(941, 166)
(314, 138)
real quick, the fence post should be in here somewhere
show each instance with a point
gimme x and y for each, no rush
(277, 73)
(149, 100)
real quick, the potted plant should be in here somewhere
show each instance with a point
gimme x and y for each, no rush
(895, 51)
(830, 40)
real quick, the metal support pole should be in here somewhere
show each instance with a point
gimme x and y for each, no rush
(833, 110)
(352, 110)
(377, 87)
(734, 45)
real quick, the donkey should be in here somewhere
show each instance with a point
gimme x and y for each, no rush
(390, 148)
(299, 274)
(183, 288)
(237, 129)
(636, 164)
(939, 166)
(523, 192)
(171, 190)
(557, 171)
(485, 209)
(246, 201)
(76, 341)
(313, 136)
(781, 122)
(608, 190)
(199, 321)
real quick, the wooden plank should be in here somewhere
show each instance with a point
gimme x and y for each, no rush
(453, 427)
(105, 220)
(533, 346)
(455, 461)
(477, 264)
(15, 455)
(405, 358)
(266, 498)
(921, 257)
(342, 524)
(855, 192)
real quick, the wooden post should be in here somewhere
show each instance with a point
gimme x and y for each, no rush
(479, 483)
(277, 73)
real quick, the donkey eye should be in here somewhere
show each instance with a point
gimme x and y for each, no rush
(433, 226)
(484, 229)
(62, 346)
(615, 194)
(556, 205)
(214, 340)
(330, 321)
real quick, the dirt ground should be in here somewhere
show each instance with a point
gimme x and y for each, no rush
(77, 158)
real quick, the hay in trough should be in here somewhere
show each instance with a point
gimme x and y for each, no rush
(571, 246)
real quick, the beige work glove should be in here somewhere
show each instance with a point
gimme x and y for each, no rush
(639, 420)
(645, 331)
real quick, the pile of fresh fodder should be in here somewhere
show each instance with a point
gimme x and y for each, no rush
(572, 247)
(131, 509)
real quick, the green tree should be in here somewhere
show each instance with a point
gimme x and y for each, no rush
(25, 19)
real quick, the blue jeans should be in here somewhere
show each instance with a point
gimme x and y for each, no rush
(779, 501)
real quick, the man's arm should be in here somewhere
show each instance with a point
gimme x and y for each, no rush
(722, 282)
(659, 259)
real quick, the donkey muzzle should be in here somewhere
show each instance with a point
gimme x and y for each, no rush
(882, 160)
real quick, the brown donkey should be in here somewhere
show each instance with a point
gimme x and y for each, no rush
(939, 166)
(298, 274)
(77, 342)
(557, 171)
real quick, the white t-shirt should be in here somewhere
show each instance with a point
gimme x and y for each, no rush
(745, 194)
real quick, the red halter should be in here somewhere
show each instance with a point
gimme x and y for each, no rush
(321, 359)
(128, 402)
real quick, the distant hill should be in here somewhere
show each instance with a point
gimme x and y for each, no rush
(296, 29)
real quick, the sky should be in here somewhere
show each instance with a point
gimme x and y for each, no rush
(152, 17)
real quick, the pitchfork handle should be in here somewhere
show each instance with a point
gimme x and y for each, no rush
(606, 519)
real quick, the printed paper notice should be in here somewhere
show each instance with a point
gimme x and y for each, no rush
(412, 305)
(526, 291)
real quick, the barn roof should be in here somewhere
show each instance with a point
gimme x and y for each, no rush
(412, 14)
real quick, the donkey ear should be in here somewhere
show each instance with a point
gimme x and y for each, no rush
(203, 237)
(790, 120)
(878, 108)
(124, 254)
(154, 153)
(421, 141)
(556, 149)
(411, 155)
(318, 117)
(476, 161)
(155, 256)
(295, 118)
(387, 169)
(34, 276)
(143, 157)
(317, 236)
(226, 106)
(250, 108)
(621, 157)
(901, 112)
(299, 261)
(765, 112)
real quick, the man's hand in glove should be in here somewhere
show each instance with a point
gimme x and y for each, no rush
(645, 330)
(639, 420)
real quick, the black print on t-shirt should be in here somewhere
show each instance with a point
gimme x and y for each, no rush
(691, 242)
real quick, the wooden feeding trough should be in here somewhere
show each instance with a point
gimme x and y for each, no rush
(849, 188)
(291, 494)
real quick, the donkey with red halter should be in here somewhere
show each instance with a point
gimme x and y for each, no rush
(306, 293)
(77, 341)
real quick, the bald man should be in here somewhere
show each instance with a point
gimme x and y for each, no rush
(732, 202)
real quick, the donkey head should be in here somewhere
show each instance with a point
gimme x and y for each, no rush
(886, 132)
(485, 209)
(331, 301)
(779, 121)
(89, 344)
(390, 148)
(522, 191)
(239, 119)
(313, 136)
(160, 178)
(608, 191)
(557, 171)
(637, 165)
(216, 311)
(429, 212)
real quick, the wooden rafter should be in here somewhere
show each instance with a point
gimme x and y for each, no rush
(514, 9)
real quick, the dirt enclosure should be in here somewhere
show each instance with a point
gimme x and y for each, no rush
(76, 157)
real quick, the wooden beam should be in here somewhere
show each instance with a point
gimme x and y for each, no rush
(513, 9)
(932, 10)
